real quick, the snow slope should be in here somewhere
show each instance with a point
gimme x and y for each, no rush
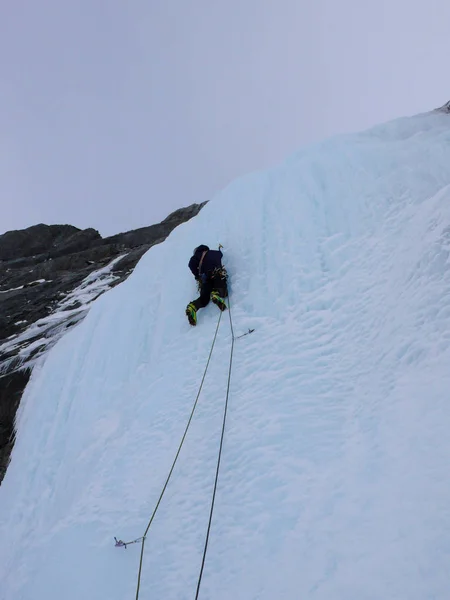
(334, 483)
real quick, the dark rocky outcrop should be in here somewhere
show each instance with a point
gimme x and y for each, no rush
(445, 108)
(42, 270)
(34, 240)
(11, 389)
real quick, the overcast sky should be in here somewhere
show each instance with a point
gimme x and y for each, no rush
(113, 113)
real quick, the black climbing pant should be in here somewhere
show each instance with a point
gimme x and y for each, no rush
(217, 283)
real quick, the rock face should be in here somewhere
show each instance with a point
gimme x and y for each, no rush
(445, 108)
(49, 276)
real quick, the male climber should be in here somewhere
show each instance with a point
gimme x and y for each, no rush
(211, 277)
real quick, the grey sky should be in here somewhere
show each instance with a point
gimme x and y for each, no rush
(113, 113)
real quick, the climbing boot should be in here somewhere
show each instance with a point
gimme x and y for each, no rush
(191, 313)
(218, 301)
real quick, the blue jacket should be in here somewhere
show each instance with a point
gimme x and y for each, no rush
(212, 260)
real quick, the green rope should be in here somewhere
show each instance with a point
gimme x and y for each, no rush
(175, 460)
(219, 455)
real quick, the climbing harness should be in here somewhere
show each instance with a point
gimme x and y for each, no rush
(220, 272)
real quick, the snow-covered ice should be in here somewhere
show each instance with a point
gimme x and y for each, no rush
(334, 481)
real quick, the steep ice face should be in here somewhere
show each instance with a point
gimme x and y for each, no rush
(334, 477)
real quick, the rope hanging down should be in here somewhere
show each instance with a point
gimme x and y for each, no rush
(174, 461)
(121, 543)
(219, 455)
